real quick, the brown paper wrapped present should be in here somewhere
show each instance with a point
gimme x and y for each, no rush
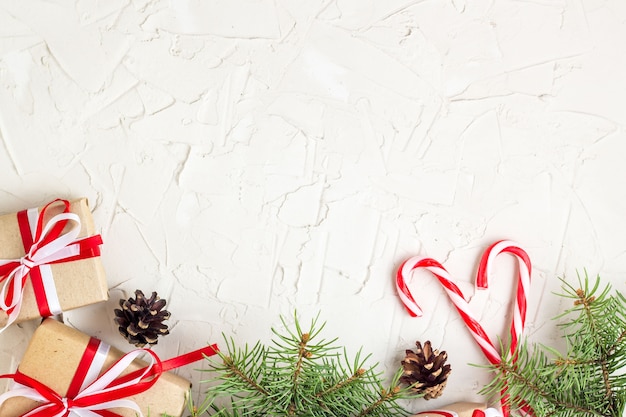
(460, 409)
(72, 282)
(56, 357)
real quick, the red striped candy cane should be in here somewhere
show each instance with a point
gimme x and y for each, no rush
(485, 269)
(523, 282)
(455, 295)
(462, 306)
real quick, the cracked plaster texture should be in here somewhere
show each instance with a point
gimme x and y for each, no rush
(249, 158)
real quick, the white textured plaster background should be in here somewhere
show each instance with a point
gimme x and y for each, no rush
(247, 158)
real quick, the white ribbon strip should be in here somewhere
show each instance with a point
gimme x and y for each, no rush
(47, 278)
(33, 218)
(96, 365)
(492, 412)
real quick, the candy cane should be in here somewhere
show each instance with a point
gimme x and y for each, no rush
(519, 311)
(455, 295)
(523, 283)
(462, 306)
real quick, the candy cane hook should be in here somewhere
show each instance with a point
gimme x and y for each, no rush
(455, 295)
(485, 269)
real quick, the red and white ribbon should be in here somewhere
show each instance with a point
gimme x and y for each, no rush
(90, 395)
(489, 412)
(458, 299)
(45, 244)
(443, 413)
(100, 394)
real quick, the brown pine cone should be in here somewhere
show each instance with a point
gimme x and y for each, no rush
(425, 370)
(140, 319)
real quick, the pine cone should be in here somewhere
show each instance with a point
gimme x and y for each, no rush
(141, 319)
(424, 370)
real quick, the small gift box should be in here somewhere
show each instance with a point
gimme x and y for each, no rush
(49, 261)
(461, 409)
(65, 371)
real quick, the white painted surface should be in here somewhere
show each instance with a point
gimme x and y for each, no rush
(246, 158)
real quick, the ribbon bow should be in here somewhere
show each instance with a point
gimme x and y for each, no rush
(107, 391)
(92, 396)
(49, 244)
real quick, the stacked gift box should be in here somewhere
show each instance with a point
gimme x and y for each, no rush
(50, 263)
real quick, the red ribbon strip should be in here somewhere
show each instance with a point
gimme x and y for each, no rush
(83, 367)
(443, 413)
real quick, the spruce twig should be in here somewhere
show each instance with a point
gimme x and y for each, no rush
(302, 375)
(589, 379)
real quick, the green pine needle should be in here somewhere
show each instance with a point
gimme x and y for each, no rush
(589, 380)
(299, 374)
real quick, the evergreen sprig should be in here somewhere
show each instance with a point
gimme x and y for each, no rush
(302, 375)
(590, 378)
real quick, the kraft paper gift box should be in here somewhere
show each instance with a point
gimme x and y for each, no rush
(53, 356)
(78, 282)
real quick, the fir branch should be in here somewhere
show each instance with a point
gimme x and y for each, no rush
(515, 378)
(385, 396)
(342, 384)
(586, 302)
(586, 381)
(619, 342)
(302, 354)
(235, 373)
(299, 375)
